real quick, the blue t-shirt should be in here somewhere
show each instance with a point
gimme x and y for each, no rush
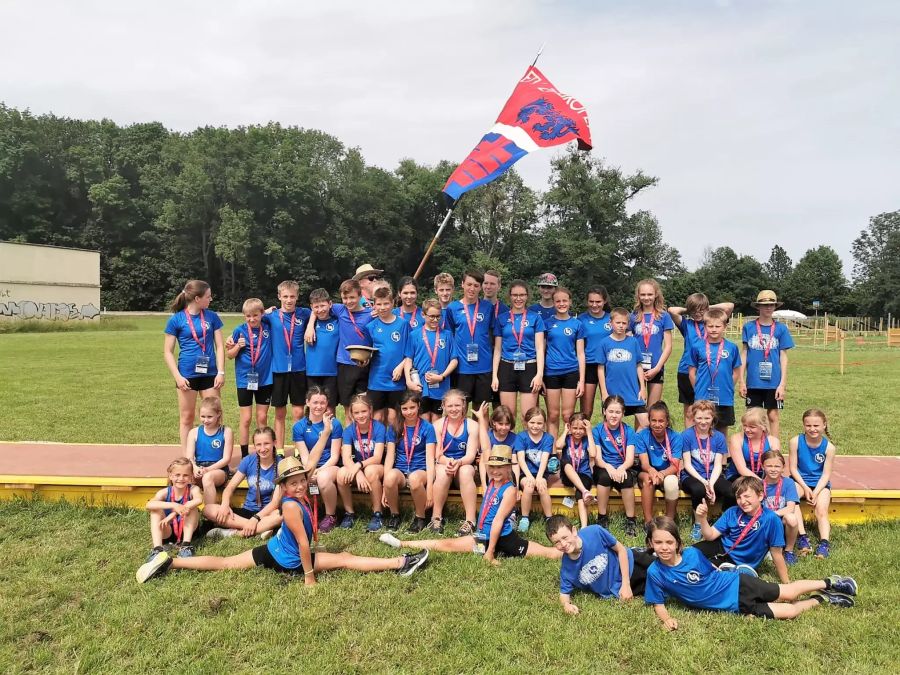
(788, 494)
(261, 360)
(321, 357)
(701, 459)
(656, 451)
(694, 333)
(414, 319)
(597, 567)
(562, 337)
(766, 532)
(417, 446)
(509, 326)
(656, 328)
(439, 343)
(283, 546)
(493, 440)
(754, 462)
(288, 354)
(694, 581)
(811, 460)
(351, 330)
(577, 455)
(390, 340)
(533, 451)
(546, 313)
(756, 352)
(209, 448)
(481, 315)
(596, 329)
(709, 376)
(189, 349)
(620, 359)
(308, 432)
(609, 450)
(260, 482)
(490, 503)
(376, 434)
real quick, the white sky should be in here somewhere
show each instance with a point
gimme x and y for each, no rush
(766, 122)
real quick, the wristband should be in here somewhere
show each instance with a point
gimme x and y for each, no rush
(256, 517)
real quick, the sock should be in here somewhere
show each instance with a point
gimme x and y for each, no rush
(630, 519)
(819, 598)
(245, 450)
(827, 584)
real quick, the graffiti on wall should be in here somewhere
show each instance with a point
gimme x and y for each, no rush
(56, 311)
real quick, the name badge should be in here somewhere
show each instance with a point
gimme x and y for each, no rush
(568, 502)
(289, 364)
(519, 361)
(313, 489)
(712, 395)
(765, 370)
(471, 352)
(252, 381)
(414, 377)
(646, 360)
(202, 365)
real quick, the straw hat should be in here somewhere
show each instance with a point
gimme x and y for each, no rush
(366, 270)
(766, 298)
(361, 354)
(501, 455)
(289, 466)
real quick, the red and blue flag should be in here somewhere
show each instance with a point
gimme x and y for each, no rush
(537, 115)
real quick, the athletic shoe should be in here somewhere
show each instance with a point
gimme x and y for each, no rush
(696, 534)
(603, 521)
(153, 552)
(412, 562)
(844, 585)
(159, 564)
(524, 524)
(727, 567)
(390, 540)
(417, 525)
(436, 525)
(375, 523)
(823, 550)
(790, 557)
(221, 533)
(186, 551)
(393, 522)
(746, 569)
(328, 524)
(832, 598)
(466, 528)
(803, 545)
(348, 521)
(630, 527)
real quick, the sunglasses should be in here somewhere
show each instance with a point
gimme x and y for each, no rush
(373, 277)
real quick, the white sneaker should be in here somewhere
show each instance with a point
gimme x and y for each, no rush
(221, 533)
(390, 540)
(727, 567)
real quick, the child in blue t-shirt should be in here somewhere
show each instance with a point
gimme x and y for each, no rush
(619, 372)
(209, 449)
(714, 369)
(388, 334)
(686, 574)
(362, 454)
(615, 467)
(595, 562)
(174, 512)
(579, 453)
(534, 452)
(430, 360)
(597, 327)
(782, 499)
(651, 324)
(811, 457)
(321, 354)
(659, 450)
(564, 363)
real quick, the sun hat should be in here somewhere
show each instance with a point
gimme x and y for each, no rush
(289, 466)
(365, 270)
(361, 353)
(548, 279)
(501, 455)
(766, 298)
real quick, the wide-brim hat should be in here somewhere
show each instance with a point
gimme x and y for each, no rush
(361, 353)
(290, 466)
(365, 270)
(500, 455)
(766, 298)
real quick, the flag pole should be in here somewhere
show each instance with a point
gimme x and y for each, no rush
(540, 51)
(433, 242)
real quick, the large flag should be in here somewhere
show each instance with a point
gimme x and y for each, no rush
(537, 115)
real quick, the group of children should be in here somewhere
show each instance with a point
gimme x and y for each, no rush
(406, 402)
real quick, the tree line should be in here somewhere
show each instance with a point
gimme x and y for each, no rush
(245, 208)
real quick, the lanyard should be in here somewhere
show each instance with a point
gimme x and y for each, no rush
(443, 318)
(190, 323)
(713, 373)
(612, 440)
(745, 530)
(667, 448)
(576, 454)
(700, 335)
(767, 345)
(474, 321)
(313, 518)
(437, 345)
(359, 442)
(178, 521)
(492, 491)
(512, 325)
(705, 453)
(409, 445)
(777, 498)
(288, 337)
(444, 429)
(496, 310)
(254, 356)
(355, 327)
(412, 316)
(755, 468)
(646, 330)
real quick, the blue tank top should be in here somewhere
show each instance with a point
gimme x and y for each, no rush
(170, 497)
(283, 546)
(811, 461)
(493, 495)
(493, 440)
(209, 448)
(753, 463)
(453, 447)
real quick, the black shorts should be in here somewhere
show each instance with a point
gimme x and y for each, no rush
(714, 551)
(477, 388)
(685, 389)
(725, 415)
(602, 479)
(244, 513)
(384, 399)
(590, 373)
(586, 479)
(263, 396)
(638, 578)
(512, 546)
(288, 386)
(206, 465)
(754, 596)
(202, 383)
(634, 410)
(659, 378)
(564, 381)
(763, 398)
(434, 406)
(263, 558)
(328, 383)
(351, 380)
(518, 381)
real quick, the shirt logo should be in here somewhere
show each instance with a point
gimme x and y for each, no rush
(593, 569)
(414, 323)
(266, 334)
(753, 527)
(442, 343)
(533, 456)
(568, 331)
(724, 353)
(395, 336)
(768, 342)
(479, 316)
(329, 326)
(462, 445)
(216, 443)
(639, 329)
(607, 326)
(619, 355)
(820, 458)
(693, 577)
(207, 325)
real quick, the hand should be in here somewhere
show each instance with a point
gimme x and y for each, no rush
(165, 521)
(182, 383)
(229, 343)
(528, 482)
(224, 515)
(579, 389)
(182, 509)
(481, 413)
(345, 475)
(384, 500)
(650, 374)
(250, 528)
(571, 609)
(412, 386)
(743, 390)
(492, 560)
(220, 380)
(702, 510)
(495, 384)
(537, 383)
(670, 624)
(433, 378)
(654, 476)
(309, 580)
(198, 472)
(397, 373)
(363, 483)
(779, 392)
(625, 593)
(710, 494)
(327, 422)
(540, 484)
(240, 343)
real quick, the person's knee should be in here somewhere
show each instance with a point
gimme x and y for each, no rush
(790, 520)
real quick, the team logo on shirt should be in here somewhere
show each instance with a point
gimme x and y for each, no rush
(639, 329)
(329, 327)
(724, 353)
(568, 331)
(768, 342)
(462, 445)
(207, 325)
(619, 355)
(607, 326)
(414, 324)
(753, 527)
(693, 577)
(265, 333)
(479, 316)
(365, 446)
(820, 458)
(593, 569)
(395, 336)
(534, 456)
(216, 443)
(442, 343)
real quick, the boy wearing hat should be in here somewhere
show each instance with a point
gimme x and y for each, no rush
(547, 284)
(763, 377)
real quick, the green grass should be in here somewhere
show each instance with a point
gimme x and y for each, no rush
(106, 386)
(70, 603)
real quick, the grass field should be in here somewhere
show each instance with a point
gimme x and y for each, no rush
(109, 386)
(69, 603)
